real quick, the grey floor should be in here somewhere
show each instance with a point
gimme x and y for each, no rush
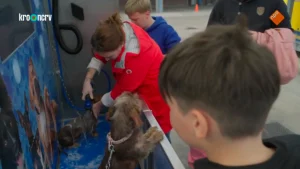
(286, 111)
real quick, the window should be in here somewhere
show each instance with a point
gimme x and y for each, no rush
(12, 31)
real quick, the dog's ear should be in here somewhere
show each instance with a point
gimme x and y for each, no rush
(110, 113)
(136, 117)
(139, 101)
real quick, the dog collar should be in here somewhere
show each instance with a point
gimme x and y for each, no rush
(111, 148)
(111, 141)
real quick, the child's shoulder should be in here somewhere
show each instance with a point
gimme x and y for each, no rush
(289, 142)
(287, 155)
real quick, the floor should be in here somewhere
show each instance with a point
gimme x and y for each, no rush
(285, 114)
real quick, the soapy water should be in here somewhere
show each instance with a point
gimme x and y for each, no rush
(85, 138)
(89, 153)
(75, 157)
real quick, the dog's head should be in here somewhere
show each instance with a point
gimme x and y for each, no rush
(127, 105)
(66, 136)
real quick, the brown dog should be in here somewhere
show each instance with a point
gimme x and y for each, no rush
(68, 135)
(127, 144)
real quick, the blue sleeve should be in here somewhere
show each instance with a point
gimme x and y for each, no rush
(282, 8)
(171, 38)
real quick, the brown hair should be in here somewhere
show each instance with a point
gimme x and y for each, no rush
(225, 73)
(140, 6)
(109, 34)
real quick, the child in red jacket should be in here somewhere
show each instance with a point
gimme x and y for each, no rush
(135, 60)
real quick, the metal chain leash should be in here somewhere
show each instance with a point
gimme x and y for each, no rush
(111, 150)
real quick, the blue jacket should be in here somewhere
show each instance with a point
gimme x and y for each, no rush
(163, 34)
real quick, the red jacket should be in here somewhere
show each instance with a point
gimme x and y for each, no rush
(138, 72)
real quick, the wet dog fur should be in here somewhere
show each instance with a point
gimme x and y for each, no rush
(72, 131)
(125, 118)
(69, 134)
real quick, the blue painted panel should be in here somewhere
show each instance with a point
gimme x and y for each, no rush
(30, 120)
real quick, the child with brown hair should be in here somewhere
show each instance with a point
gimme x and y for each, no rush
(139, 12)
(221, 97)
(278, 37)
(135, 60)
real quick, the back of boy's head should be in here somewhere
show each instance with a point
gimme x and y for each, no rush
(223, 72)
(141, 6)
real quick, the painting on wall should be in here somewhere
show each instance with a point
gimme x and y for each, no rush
(28, 99)
(28, 110)
(10, 145)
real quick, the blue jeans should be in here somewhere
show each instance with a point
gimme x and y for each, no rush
(160, 159)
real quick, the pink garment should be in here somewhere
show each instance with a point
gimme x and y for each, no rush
(281, 42)
(195, 154)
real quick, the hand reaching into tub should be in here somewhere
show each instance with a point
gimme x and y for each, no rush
(87, 89)
(102, 104)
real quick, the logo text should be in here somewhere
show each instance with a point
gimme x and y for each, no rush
(35, 17)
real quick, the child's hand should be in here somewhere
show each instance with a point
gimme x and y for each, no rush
(87, 89)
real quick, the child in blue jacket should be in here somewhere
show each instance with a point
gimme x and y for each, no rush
(139, 12)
